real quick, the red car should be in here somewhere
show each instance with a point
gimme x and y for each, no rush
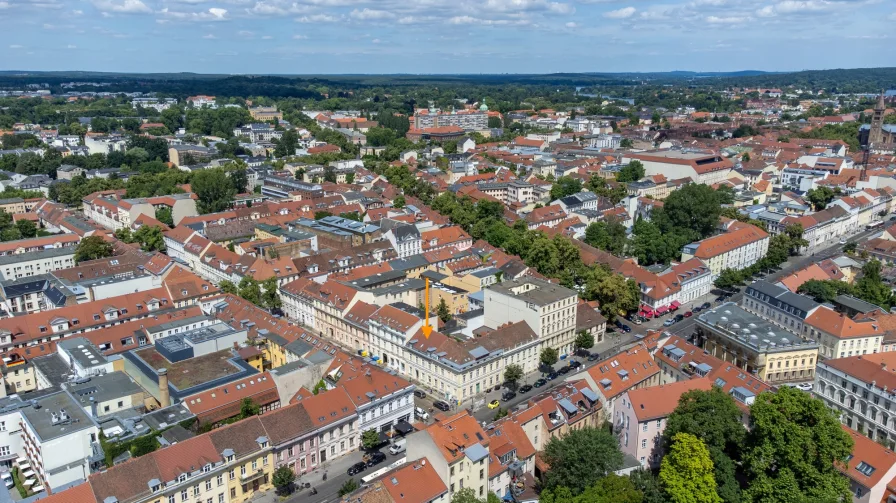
(688, 314)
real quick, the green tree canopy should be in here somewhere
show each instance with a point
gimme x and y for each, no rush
(214, 189)
(790, 450)
(548, 356)
(92, 248)
(513, 373)
(686, 472)
(580, 459)
(631, 172)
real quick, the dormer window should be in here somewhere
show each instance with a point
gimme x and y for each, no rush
(182, 477)
(230, 458)
(207, 468)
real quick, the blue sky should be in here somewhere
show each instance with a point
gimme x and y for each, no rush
(445, 36)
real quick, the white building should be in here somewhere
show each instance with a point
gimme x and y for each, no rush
(741, 246)
(548, 309)
(406, 240)
(32, 263)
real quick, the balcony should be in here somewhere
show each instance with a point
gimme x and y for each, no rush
(251, 476)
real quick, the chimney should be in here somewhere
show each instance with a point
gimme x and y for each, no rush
(93, 411)
(164, 397)
(883, 365)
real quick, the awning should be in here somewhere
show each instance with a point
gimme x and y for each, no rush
(675, 304)
(403, 427)
(29, 482)
(662, 309)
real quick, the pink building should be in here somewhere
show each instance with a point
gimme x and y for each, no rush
(644, 412)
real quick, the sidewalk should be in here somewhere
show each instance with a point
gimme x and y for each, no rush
(338, 466)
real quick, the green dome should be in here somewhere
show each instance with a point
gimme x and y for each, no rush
(484, 108)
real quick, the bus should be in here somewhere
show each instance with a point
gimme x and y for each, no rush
(874, 225)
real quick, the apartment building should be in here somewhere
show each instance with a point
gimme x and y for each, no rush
(701, 167)
(739, 247)
(406, 240)
(548, 309)
(751, 343)
(644, 413)
(611, 378)
(34, 263)
(114, 213)
(458, 449)
(781, 307)
(859, 389)
(841, 336)
(468, 120)
(266, 114)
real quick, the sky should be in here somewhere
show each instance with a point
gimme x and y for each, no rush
(445, 36)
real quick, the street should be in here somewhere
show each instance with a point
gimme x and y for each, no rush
(613, 343)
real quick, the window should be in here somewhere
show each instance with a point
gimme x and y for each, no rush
(865, 469)
(208, 485)
(221, 498)
(254, 464)
(183, 495)
(196, 490)
(220, 480)
(644, 443)
(171, 498)
(644, 427)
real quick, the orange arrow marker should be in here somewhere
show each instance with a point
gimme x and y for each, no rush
(427, 328)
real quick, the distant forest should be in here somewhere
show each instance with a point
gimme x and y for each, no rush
(309, 86)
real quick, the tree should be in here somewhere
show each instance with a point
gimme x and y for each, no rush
(646, 482)
(626, 143)
(714, 418)
(348, 487)
(271, 296)
(287, 144)
(250, 290)
(729, 278)
(248, 408)
(494, 122)
(686, 472)
(584, 340)
(580, 458)
(465, 495)
(27, 228)
(548, 357)
(631, 172)
(320, 386)
(283, 480)
(92, 248)
(513, 373)
(792, 448)
(443, 310)
(150, 238)
(228, 287)
(370, 439)
(871, 287)
(565, 186)
(349, 178)
(820, 197)
(398, 202)
(239, 179)
(609, 489)
(694, 208)
(163, 214)
(214, 189)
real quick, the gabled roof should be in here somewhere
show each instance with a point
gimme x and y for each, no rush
(659, 401)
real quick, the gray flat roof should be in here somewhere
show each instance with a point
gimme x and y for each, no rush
(83, 351)
(784, 295)
(748, 329)
(37, 255)
(103, 388)
(57, 415)
(540, 292)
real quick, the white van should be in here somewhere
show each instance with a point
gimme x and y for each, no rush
(398, 447)
(420, 413)
(7, 479)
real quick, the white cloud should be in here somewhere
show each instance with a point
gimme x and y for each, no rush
(77, 12)
(370, 14)
(623, 13)
(213, 14)
(17, 46)
(267, 37)
(122, 6)
(300, 37)
(48, 26)
(726, 20)
(245, 34)
(318, 18)
(375, 41)
(893, 16)
(4, 5)
(487, 22)
(217, 12)
(209, 36)
(571, 25)
(70, 46)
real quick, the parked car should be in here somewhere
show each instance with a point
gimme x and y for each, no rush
(698, 309)
(669, 322)
(421, 414)
(804, 386)
(574, 364)
(552, 376)
(705, 305)
(637, 321)
(508, 396)
(626, 328)
(688, 314)
(583, 353)
(539, 383)
(376, 458)
(442, 406)
(564, 370)
(525, 388)
(678, 317)
(419, 393)
(617, 323)
(494, 404)
(593, 357)
(357, 468)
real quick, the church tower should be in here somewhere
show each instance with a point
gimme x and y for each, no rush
(876, 137)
